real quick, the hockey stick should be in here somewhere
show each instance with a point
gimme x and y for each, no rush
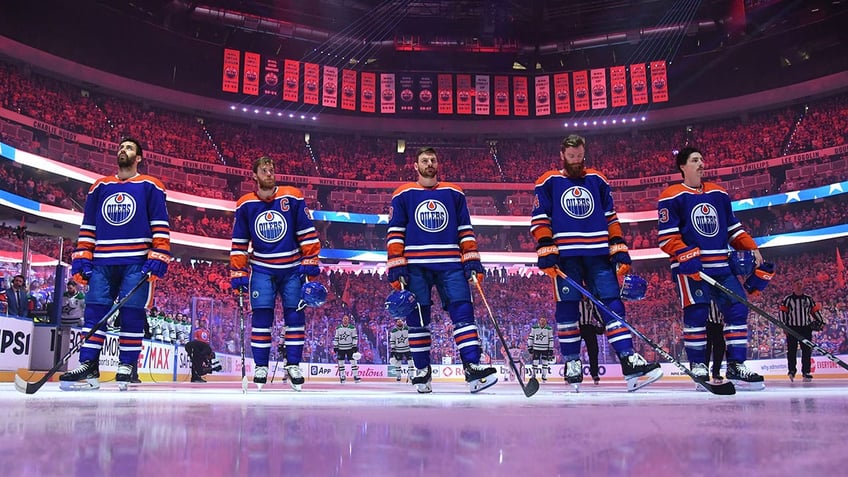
(773, 320)
(533, 384)
(30, 388)
(241, 345)
(725, 389)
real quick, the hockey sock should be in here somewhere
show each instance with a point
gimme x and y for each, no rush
(617, 334)
(260, 335)
(91, 348)
(131, 335)
(695, 332)
(295, 334)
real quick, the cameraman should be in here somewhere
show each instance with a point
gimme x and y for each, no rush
(203, 360)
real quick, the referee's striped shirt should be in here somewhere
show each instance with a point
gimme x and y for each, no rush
(799, 310)
(589, 314)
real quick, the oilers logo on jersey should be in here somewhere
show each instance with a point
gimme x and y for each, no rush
(118, 209)
(270, 226)
(705, 219)
(577, 202)
(431, 216)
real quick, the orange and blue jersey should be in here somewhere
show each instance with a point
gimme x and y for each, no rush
(123, 219)
(578, 213)
(279, 230)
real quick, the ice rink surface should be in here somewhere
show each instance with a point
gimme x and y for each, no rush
(388, 429)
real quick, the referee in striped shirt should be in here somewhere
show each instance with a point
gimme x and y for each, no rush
(798, 311)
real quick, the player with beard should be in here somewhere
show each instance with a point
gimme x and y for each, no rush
(275, 222)
(430, 242)
(124, 235)
(577, 231)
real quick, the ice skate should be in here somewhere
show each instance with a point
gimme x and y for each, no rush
(634, 367)
(88, 371)
(702, 375)
(295, 377)
(357, 379)
(123, 376)
(596, 379)
(398, 377)
(807, 377)
(480, 376)
(423, 380)
(260, 376)
(574, 373)
(743, 378)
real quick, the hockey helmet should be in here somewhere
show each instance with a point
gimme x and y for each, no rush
(742, 262)
(401, 303)
(633, 288)
(313, 294)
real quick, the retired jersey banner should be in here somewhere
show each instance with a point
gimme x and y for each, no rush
(349, 90)
(310, 83)
(330, 87)
(618, 86)
(231, 71)
(387, 93)
(368, 98)
(426, 94)
(543, 95)
(464, 93)
(659, 82)
(521, 106)
(599, 88)
(562, 93)
(408, 101)
(581, 90)
(252, 64)
(501, 96)
(639, 83)
(482, 95)
(291, 86)
(445, 94)
(271, 78)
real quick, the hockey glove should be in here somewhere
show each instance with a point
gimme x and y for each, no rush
(157, 263)
(760, 279)
(472, 266)
(336, 351)
(356, 349)
(619, 256)
(397, 272)
(239, 281)
(548, 254)
(689, 262)
(82, 265)
(309, 267)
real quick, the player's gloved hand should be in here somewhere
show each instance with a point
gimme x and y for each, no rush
(472, 266)
(309, 267)
(157, 263)
(82, 265)
(689, 262)
(619, 256)
(356, 349)
(548, 253)
(239, 280)
(397, 272)
(336, 351)
(760, 279)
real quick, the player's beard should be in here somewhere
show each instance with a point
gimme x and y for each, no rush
(428, 172)
(267, 184)
(574, 171)
(124, 161)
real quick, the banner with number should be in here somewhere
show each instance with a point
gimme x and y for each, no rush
(231, 71)
(599, 88)
(368, 98)
(581, 90)
(387, 93)
(271, 78)
(250, 84)
(445, 94)
(291, 85)
(562, 93)
(464, 93)
(521, 106)
(407, 97)
(618, 86)
(426, 94)
(639, 83)
(659, 82)
(349, 90)
(543, 95)
(310, 83)
(501, 96)
(482, 95)
(330, 87)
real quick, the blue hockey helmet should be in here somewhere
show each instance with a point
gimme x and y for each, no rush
(633, 288)
(401, 303)
(742, 262)
(313, 294)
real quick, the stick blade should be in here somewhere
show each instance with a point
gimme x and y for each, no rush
(531, 387)
(244, 385)
(26, 387)
(724, 389)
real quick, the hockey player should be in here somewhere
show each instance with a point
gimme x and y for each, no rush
(696, 228)
(399, 349)
(540, 343)
(124, 236)
(576, 229)
(73, 305)
(430, 241)
(346, 347)
(275, 222)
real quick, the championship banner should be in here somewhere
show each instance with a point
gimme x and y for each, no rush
(408, 102)
(252, 63)
(543, 95)
(271, 78)
(463, 94)
(562, 93)
(581, 90)
(368, 98)
(387, 93)
(349, 90)
(425, 94)
(639, 83)
(519, 96)
(445, 94)
(291, 85)
(618, 86)
(231, 71)
(330, 87)
(310, 83)
(481, 95)
(501, 96)
(599, 88)
(659, 82)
